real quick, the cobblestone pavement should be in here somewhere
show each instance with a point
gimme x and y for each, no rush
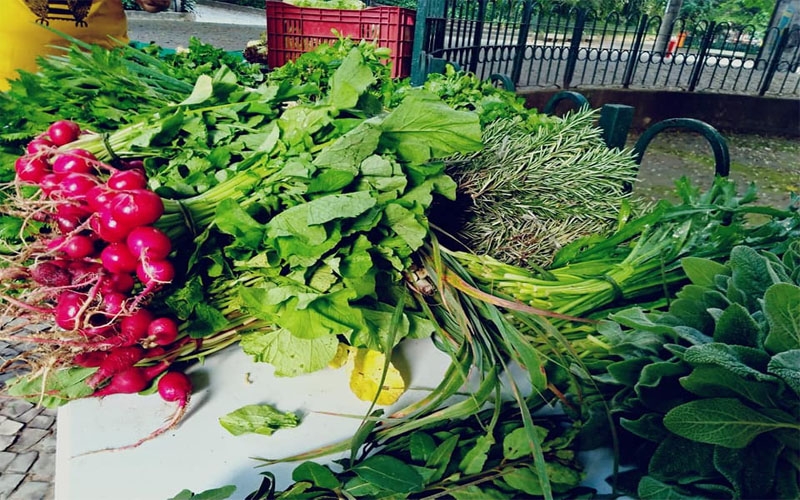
(27, 445)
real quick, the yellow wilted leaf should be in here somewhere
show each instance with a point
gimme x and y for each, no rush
(365, 369)
(342, 356)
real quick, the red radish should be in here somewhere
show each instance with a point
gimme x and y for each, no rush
(99, 197)
(68, 308)
(117, 282)
(137, 207)
(75, 185)
(51, 274)
(63, 132)
(118, 360)
(132, 165)
(155, 271)
(38, 145)
(134, 327)
(108, 228)
(50, 184)
(31, 169)
(77, 246)
(175, 386)
(83, 271)
(91, 359)
(123, 180)
(116, 258)
(69, 216)
(128, 381)
(67, 163)
(148, 242)
(163, 331)
(113, 302)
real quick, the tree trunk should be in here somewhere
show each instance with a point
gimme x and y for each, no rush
(665, 30)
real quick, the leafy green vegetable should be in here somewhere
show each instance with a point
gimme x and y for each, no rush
(213, 494)
(702, 397)
(464, 458)
(257, 419)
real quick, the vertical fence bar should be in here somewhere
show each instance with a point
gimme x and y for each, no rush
(480, 20)
(700, 63)
(574, 47)
(630, 68)
(777, 53)
(425, 10)
(522, 41)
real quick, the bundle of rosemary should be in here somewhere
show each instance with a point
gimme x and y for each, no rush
(532, 190)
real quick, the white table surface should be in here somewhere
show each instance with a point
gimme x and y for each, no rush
(200, 454)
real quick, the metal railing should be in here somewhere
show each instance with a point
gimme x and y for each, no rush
(574, 48)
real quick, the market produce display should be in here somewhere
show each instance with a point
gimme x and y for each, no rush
(306, 217)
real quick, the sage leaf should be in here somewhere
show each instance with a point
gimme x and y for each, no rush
(736, 465)
(722, 421)
(751, 276)
(782, 309)
(389, 473)
(653, 489)
(676, 458)
(714, 381)
(702, 271)
(786, 365)
(736, 326)
(743, 361)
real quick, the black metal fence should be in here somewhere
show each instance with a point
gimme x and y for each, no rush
(573, 48)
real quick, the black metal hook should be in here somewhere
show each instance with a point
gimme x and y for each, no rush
(722, 159)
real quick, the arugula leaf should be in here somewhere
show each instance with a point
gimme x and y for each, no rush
(290, 355)
(257, 419)
(389, 474)
(318, 475)
(351, 80)
(221, 493)
(423, 127)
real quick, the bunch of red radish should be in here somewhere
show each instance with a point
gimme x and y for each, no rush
(98, 263)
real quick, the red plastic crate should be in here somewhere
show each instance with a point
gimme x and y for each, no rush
(291, 31)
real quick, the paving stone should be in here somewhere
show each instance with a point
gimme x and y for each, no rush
(23, 462)
(47, 444)
(29, 415)
(42, 421)
(8, 482)
(10, 427)
(27, 439)
(44, 469)
(5, 458)
(15, 408)
(6, 442)
(30, 490)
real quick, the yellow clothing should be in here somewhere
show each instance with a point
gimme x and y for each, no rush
(23, 39)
